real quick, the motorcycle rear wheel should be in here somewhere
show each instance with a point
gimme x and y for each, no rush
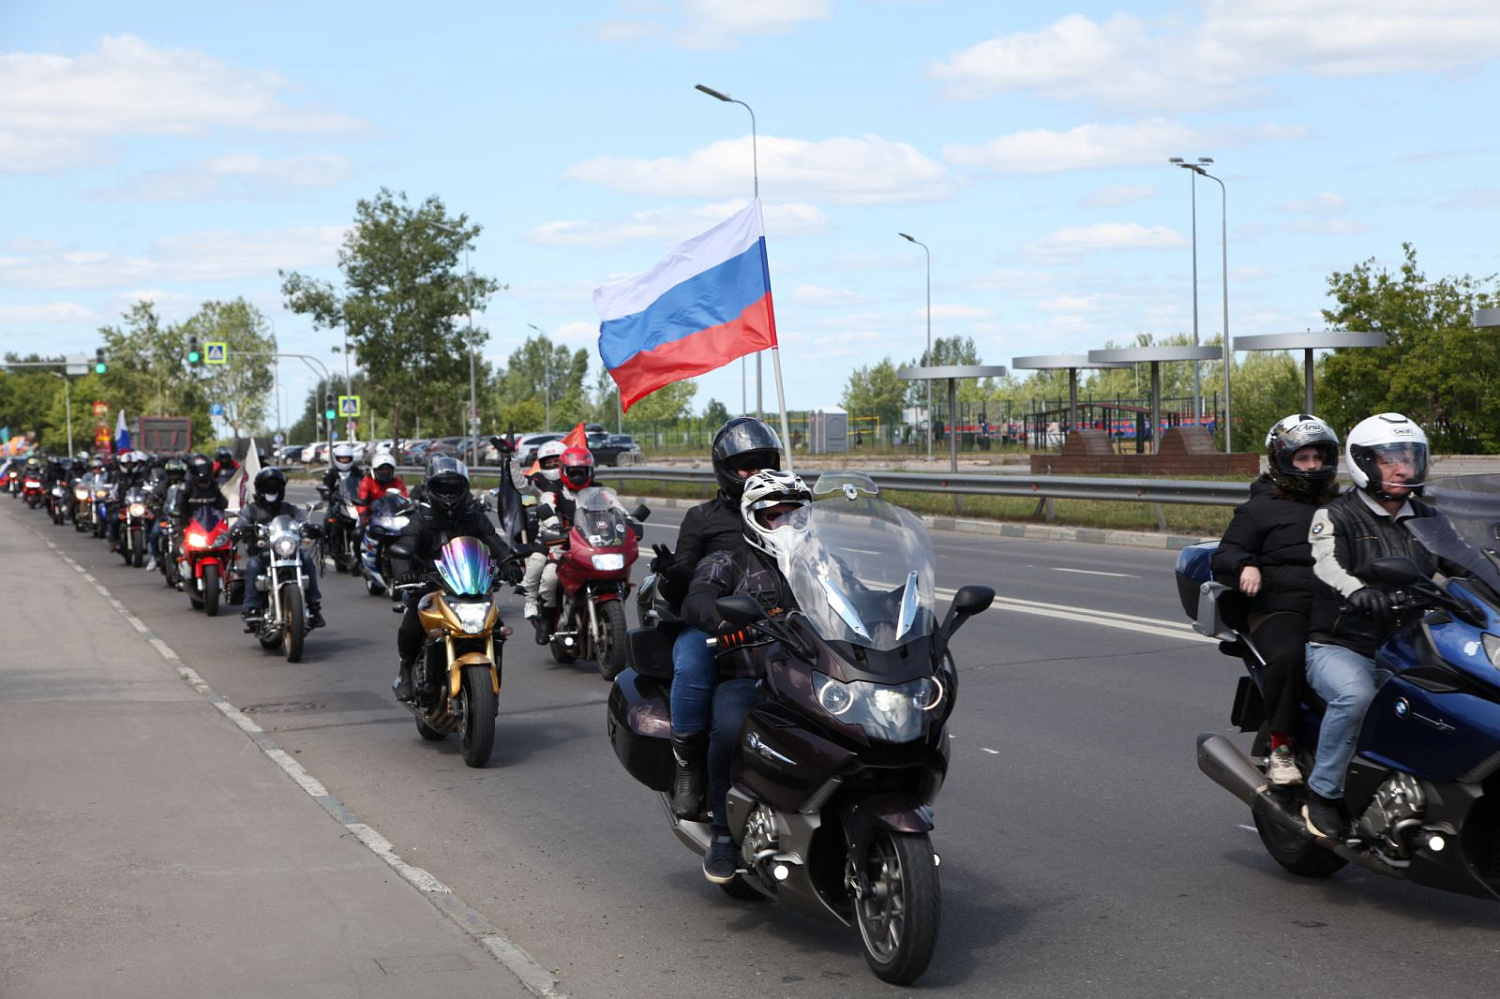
(211, 589)
(1301, 855)
(294, 618)
(612, 632)
(898, 920)
(480, 709)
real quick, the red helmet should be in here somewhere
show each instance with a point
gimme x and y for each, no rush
(577, 468)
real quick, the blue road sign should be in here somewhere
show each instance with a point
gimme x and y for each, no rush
(216, 409)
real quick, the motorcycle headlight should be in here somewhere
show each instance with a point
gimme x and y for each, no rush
(102, 494)
(284, 546)
(610, 562)
(887, 712)
(138, 509)
(1492, 649)
(80, 494)
(196, 538)
(471, 615)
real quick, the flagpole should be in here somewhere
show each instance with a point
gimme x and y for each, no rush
(786, 433)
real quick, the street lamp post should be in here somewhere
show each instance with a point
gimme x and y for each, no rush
(547, 378)
(927, 362)
(755, 178)
(1193, 185)
(469, 308)
(67, 407)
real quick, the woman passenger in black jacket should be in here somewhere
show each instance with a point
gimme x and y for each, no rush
(1265, 555)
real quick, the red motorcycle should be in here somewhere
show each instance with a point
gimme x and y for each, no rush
(593, 580)
(205, 560)
(31, 490)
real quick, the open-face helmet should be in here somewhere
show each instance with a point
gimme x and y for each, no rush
(770, 505)
(743, 445)
(1293, 434)
(383, 468)
(577, 466)
(549, 459)
(343, 457)
(1388, 457)
(447, 483)
(270, 486)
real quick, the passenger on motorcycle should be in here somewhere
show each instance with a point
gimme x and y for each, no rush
(224, 465)
(1266, 555)
(766, 504)
(448, 511)
(564, 472)
(268, 503)
(1351, 616)
(742, 447)
(174, 472)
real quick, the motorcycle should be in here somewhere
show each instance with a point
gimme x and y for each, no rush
(837, 766)
(341, 539)
(205, 560)
(166, 553)
(135, 521)
(389, 516)
(1424, 783)
(102, 492)
(31, 490)
(456, 680)
(12, 481)
(284, 622)
(593, 580)
(57, 501)
(83, 505)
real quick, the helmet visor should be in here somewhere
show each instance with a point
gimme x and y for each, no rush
(1399, 467)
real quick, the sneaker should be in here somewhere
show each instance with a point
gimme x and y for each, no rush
(1281, 767)
(529, 610)
(1325, 817)
(151, 565)
(720, 863)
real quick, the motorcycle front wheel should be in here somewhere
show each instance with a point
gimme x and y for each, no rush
(610, 647)
(480, 708)
(211, 589)
(137, 548)
(898, 918)
(294, 629)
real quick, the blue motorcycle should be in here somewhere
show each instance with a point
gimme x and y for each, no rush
(1423, 787)
(389, 516)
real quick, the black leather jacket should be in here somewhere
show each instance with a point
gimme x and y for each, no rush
(1270, 532)
(429, 529)
(195, 494)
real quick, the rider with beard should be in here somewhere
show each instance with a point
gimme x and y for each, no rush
(742, 447)
(767, 504)
(448, 511)
(268, 503)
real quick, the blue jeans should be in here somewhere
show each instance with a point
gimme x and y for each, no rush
(1346, 680)
(692, 682)
(732, 701)
(256, 599)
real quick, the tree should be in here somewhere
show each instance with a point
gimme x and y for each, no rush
(405, 304)
(242, 385)
(1435, 368)
(669, 403)
(876, 391)
(945, 350)
(148, 371)
(715, 414)
(550, 374)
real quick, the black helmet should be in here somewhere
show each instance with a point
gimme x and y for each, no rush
(1286, 438)
(447, 483)
(175, 468)
(270, 485)
(223, 456)
(200, 467)
(744, 443)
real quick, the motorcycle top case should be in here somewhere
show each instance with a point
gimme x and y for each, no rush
(1194, 568)
(640, 729)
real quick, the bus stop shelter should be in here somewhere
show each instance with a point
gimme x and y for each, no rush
(1307, 343)
(1154, 356)
(951, 373)
(1072, 364)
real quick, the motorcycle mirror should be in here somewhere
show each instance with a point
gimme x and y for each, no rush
(1395, 570)
(642, 513)
(968, 601)
(739, 609)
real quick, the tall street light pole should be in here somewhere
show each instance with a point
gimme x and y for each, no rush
(1197, 169)
(927, 362)
(1193, 185)
(755, 177)
(547, 378)
(469, 306)
(67, 407)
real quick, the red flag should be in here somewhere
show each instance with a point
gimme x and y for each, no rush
(577, 437)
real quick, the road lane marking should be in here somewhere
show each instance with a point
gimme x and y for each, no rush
(1096, 572)
(1105, 619)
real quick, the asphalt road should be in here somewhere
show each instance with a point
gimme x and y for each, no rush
(1082, 852)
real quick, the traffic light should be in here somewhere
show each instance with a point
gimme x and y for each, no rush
(328, 410)
(100, 366)
(195, 356)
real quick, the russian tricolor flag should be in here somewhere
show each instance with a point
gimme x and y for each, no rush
(704, 304)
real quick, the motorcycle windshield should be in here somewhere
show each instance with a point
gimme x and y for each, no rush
(1440, 536)
(464, 566)
(599, 519)
(862, 569)
(392, 504)
(283, 526)
(206, 517)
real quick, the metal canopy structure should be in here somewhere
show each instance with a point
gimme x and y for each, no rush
(1072, 364)
(1307, 342)
(951, 373)
(1154, 356)
(1487, 319)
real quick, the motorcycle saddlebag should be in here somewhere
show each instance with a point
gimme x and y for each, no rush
(640, 729)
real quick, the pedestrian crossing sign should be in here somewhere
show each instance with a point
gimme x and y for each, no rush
(349, 406)
(216, 352)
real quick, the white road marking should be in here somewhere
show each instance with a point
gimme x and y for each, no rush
(992, 752)
(1096, 572)
(1242, 825)
(1105, 619)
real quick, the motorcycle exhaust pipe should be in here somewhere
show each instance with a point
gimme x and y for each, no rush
(1229, 768)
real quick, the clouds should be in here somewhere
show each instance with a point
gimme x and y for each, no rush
(243, 176)
(1226, 57)
(60, 112)
(1092, 147)
(47, 312)
(867, 170)
(668, 226)
(712, 24)
(1076, 241)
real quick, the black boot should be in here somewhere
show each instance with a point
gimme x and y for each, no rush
(543, 632)
(315, 614)
(691, 753)
(403, 682)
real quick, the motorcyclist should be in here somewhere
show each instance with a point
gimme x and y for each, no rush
(131, 475)
(198, 490)
(448, 511)
(224, 465)
(742, 447)
(554, 519)
(381, 480)
(343, 474)
(174, 473)
(268, 503)
(767, 502)
(1265, 555)
(1352, 614)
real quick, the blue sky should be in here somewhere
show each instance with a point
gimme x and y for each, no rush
(183, 152)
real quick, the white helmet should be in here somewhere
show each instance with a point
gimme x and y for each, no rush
(552, 449)
(343, 457)
(1388, 450)
(770, 507)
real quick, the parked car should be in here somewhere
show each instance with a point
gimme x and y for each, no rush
(315, 452)
(526, 447)
(415, 451)
(289, 454)
(611, 447)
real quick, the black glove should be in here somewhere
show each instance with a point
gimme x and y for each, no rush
(311, 530)
(1373, 604)
(664, 558)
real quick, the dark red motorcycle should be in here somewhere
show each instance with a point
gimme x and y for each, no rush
(31, 490)
(593, 580)
(205, 560)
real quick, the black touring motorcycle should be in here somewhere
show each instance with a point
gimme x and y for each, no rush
(839, 763)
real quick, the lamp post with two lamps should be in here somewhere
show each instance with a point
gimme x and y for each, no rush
(1198, 170)
(927, 361)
